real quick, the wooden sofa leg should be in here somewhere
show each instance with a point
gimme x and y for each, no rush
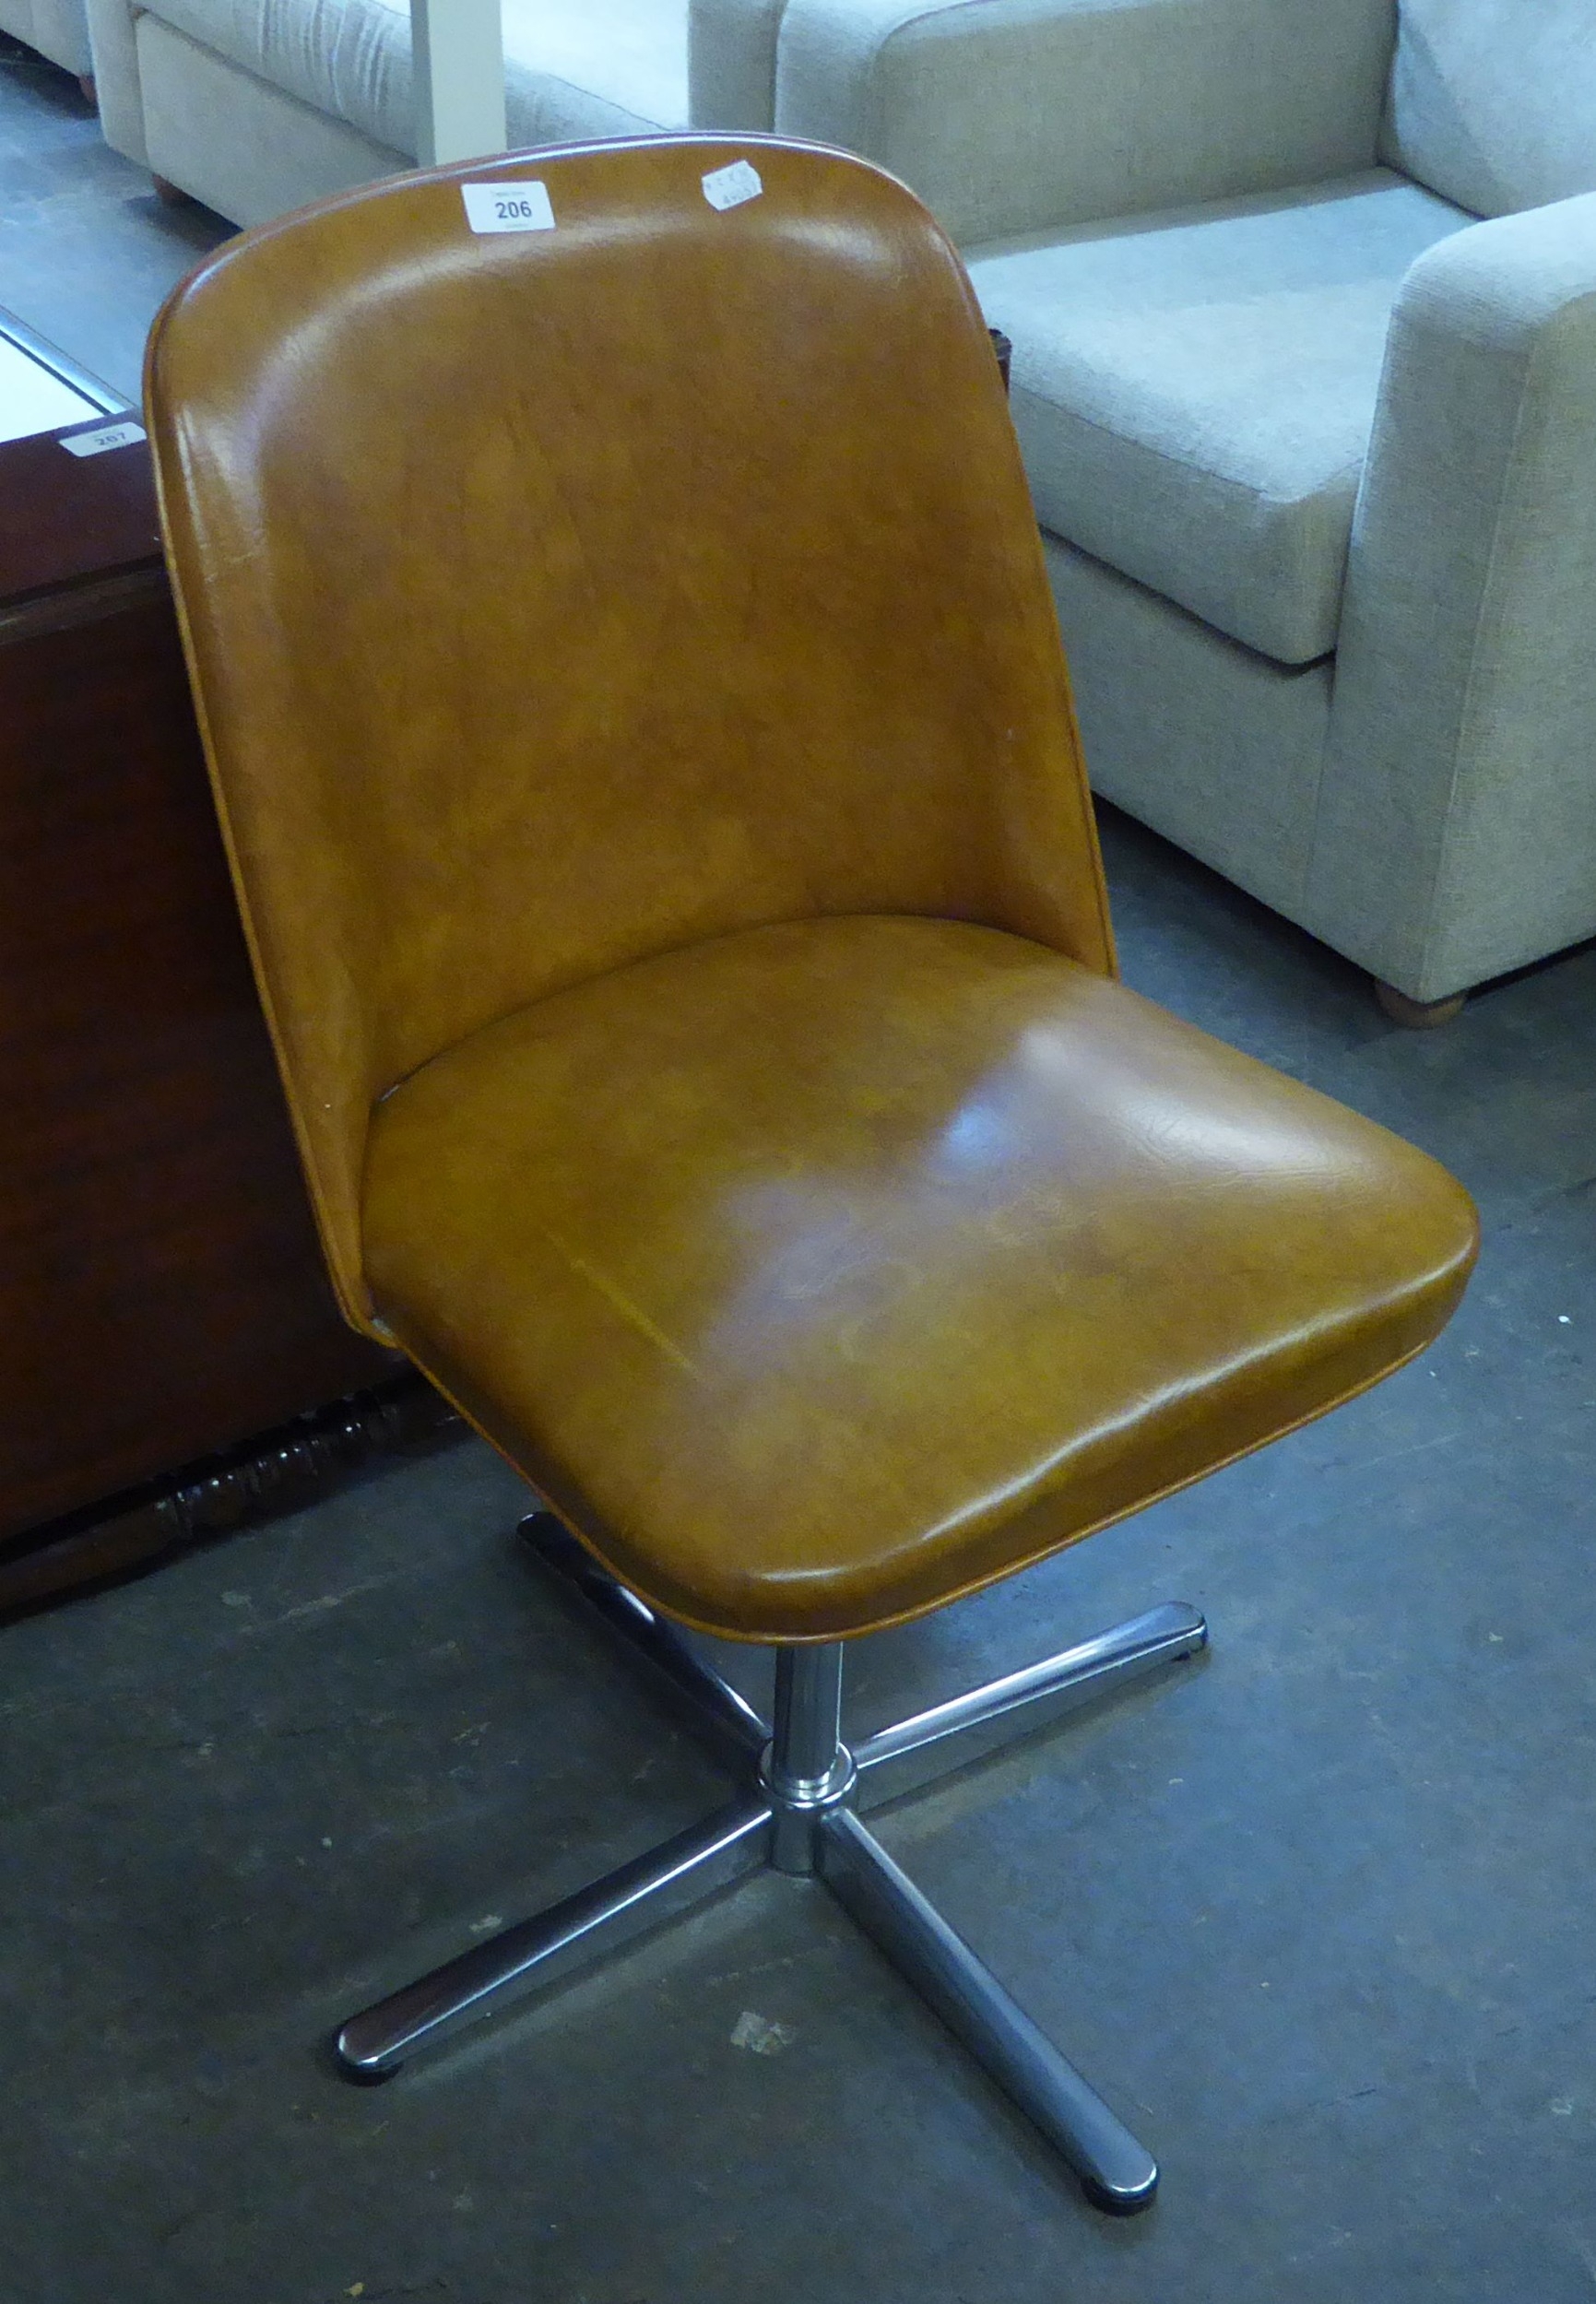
(1417, 1015)
(172, 195)
(86, 82)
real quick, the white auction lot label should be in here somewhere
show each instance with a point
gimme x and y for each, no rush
(109, 436)
(520, 207)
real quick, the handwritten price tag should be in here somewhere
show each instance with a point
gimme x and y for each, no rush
(729, 187)
(522, 207)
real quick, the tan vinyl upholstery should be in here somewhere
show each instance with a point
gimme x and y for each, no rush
(642, 738)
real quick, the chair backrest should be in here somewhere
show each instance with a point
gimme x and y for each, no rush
(1492, 103)
(558, 596)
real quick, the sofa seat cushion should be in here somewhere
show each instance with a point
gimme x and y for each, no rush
(609, 67)
(1194, 391)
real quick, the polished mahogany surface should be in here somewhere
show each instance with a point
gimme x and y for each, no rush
(71, 519)
(160, 1291)
(638, 718)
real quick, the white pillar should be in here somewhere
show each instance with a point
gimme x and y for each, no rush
(458, 46)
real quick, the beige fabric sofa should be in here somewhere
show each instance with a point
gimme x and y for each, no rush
(1302, 298)
(58, 29)
(254, 106)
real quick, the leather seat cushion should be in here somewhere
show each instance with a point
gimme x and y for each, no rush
(819, 1272)
(1194, 393)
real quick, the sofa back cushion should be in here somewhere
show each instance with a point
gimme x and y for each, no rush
(1492, 103)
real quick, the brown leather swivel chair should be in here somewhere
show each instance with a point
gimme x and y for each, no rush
(639, 731)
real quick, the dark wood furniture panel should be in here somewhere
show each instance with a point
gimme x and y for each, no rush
(162, 1292)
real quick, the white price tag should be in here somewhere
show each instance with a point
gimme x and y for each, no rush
(108, 436)
(521, 208)
(729, 187)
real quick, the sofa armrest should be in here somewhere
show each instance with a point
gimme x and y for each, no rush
(1017, 115)
(731, 48)
(116, 86)
(1462, 751)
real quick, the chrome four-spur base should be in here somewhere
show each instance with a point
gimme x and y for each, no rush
(800, 1813)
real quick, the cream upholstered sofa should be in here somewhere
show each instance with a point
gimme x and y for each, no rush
(1303, 300)
(254, 106)
(58, 29)
(1303, 297)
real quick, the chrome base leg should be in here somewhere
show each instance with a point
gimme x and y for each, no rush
(914, 1753)
(1116, 2171)
(631, 1902)
(712, 1703)
(797, 1816)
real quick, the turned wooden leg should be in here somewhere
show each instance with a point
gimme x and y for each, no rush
(1417, 1015)
(173, 194)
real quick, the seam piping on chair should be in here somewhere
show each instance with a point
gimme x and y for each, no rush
(633, 1314)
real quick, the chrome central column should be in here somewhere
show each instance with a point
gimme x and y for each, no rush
(807, 1768)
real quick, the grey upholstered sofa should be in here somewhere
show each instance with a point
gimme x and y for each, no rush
(254, 106)
(1303, 297)
(58, 29)
(1313, 445)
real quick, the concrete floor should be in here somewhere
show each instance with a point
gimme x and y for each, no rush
(1319, 1913)
(86, 251)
